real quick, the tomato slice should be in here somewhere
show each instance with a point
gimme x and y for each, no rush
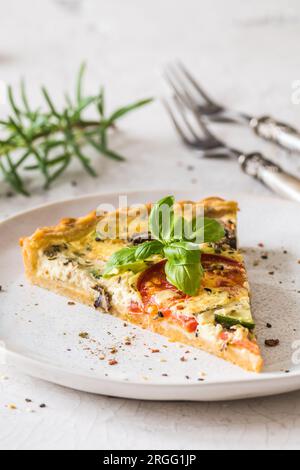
(189, 323)
(135, 308)
(247, 344)
(244, 343)
(219, 271)
(224, 336)
(154, 280)
(151, 282)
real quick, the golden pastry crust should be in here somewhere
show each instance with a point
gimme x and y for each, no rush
(70, 230)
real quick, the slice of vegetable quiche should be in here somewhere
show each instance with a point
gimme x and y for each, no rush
(196, 295)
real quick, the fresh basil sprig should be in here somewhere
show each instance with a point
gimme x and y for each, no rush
(122, 260)
(148, 249)
(161, 219)
(201, 229)
(175, 240)
(186, 277)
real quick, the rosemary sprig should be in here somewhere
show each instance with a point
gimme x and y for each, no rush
(47, 141)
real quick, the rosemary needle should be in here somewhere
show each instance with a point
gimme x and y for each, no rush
(47, 141)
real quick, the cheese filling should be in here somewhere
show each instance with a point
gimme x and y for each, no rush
(82, 268)
(87, 277)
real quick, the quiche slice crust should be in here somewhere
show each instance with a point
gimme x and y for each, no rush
(69, 259)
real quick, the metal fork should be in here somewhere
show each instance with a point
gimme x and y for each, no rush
(194, 133)
(195, 97)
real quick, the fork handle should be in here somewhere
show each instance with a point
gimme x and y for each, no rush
(282, 134)
(272, 175)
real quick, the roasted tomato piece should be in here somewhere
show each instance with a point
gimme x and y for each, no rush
(189, 323)
(150, 284)
(154, 280)
(221, 271)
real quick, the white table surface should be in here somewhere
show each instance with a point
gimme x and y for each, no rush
(246, 53)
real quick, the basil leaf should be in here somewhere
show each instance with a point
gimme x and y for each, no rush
(181, 253)
(124, 259)
(199, 230)
(179, 227)
(147, 249)
(208, 230)
(186, 278)
(161, 220)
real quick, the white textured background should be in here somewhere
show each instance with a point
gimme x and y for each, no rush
(247, 55)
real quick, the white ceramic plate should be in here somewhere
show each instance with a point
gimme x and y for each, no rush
(40, 331)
